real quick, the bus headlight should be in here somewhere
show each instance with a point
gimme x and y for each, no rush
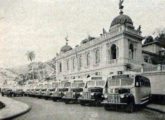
(122, 96)
(105, 96)
(111, 90)
(92, 94)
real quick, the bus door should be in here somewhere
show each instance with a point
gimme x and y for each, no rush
(139, 89)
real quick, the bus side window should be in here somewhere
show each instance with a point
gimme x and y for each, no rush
(86, 85)
(138, 81)
(147, 82)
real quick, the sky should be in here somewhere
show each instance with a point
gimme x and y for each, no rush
(42, 25)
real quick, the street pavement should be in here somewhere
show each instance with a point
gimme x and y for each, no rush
(156, 107)
(49, 110)
(12, 108)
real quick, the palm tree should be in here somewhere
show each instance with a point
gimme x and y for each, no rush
(31, 56)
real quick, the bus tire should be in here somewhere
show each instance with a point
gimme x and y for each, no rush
(130, 107)
(82, 103)
(66, 102)
(107, 108)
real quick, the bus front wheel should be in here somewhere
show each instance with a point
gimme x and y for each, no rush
(130, 107)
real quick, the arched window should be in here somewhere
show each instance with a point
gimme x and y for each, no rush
(67, 64)
(97, 56)
(73, 63)
(131, 51)
(109, 54)
(88, 59)
(60, 67)
(113, 51)
(80, 62)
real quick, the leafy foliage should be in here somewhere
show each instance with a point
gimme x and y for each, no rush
(160, 37)
(149, 39)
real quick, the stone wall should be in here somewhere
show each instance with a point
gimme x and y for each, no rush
(156, 74)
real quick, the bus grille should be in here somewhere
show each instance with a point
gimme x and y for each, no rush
(56, 94)
(87, 95)
(69, 94)
(114, 98)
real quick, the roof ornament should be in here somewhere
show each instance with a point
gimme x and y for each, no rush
(139, 29)
(121, 6)
(104, 31)
(66, 39)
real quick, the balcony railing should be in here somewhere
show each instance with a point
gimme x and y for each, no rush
(133, 61)
(149, 69)
(113, 61)
(157, 68)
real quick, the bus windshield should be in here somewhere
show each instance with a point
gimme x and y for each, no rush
(61, 84)
(81, 85)
(100, 83)
(120, 82)
(74, 85)
(55, 85)
(67, 84)
(91, 83)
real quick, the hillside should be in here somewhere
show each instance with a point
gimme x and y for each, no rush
(7, 75)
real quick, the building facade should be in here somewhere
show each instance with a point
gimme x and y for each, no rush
(113, 52)
(110, 53)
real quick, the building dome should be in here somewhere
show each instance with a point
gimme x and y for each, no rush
(122, 19)
(66, 48)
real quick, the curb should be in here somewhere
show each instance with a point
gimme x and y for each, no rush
(2, 105)
(156, 110)
(19, 114)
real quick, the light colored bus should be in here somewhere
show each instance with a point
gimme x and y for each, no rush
(50, 89)
(127, 90)
(38, 90)
(94, 92)
(63, 87)
(75, 91)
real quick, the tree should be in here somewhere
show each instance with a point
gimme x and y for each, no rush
(149, 39)
(160, 36)
(31, 56)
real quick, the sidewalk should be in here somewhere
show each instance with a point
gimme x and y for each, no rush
(12, 108)
(157, 108)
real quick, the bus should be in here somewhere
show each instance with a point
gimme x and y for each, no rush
(75, 91)
(62, 88)
(94, 92)
(127, 90)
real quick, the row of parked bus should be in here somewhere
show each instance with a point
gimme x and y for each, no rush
(127, 91)
(12, 92)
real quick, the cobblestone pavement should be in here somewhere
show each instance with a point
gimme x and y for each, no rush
(49, 110)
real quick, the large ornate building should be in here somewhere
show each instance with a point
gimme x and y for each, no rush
(112, 52)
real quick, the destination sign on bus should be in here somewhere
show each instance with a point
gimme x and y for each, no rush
(120, 76)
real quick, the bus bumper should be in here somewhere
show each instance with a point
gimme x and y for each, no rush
(112, 104)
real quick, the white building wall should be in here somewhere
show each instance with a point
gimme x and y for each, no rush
(106, 66)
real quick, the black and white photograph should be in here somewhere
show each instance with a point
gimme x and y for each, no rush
(82, 59)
